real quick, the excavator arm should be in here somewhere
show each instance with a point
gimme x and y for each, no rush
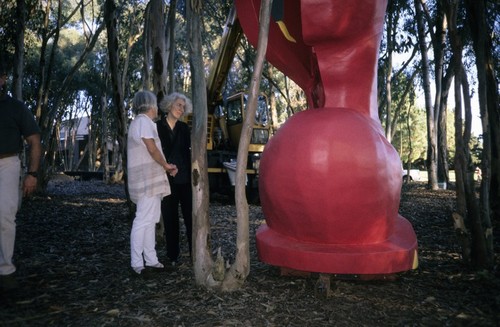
(230, 41)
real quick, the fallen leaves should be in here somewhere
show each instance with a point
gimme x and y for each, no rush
(72, 253)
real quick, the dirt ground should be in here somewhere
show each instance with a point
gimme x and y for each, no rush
(72, 253)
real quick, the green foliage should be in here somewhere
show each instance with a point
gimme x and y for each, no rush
(476, 146)
(411, 130)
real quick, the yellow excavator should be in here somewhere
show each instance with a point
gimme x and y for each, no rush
(225, 120)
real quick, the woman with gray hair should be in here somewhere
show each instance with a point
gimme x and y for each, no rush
(175, 139)
(147, 180)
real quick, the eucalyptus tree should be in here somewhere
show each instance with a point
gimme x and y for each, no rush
(432, 152)
(202, 261)
(170, 44)
(156, 47)
(484, 23)
(240, 269)
(207, 272)
(473, 217)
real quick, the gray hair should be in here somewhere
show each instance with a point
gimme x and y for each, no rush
(143, 102)
(167, 103)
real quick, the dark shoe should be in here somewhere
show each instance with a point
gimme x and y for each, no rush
(159, 265)
(8, 282)
(137, 270)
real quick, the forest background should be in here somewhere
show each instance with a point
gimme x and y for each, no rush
(74, 59)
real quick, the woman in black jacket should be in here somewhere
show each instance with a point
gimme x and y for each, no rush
(175, 139)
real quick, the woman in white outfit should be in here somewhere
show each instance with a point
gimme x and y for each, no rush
(147, 180)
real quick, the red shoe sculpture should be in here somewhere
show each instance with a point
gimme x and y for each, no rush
(329, 181)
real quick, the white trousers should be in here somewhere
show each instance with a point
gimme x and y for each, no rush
(10, 174)
(142, 236)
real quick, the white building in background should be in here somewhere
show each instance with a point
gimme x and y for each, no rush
(73, 146)
(76, 128)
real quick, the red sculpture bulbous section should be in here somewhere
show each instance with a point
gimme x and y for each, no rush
(334, 171)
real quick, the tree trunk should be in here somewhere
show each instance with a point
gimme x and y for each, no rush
(490, 117)
(241, 267)
(443, 170)
(464, 169)
(488, 107)
(439, 42)
(481, 243)
(202, 261)
(171, 44)
(104, 144)
(410, 145)
(17, 87)
(272, 103)
(442, 148)
(431, 124)
(388, 75)
(111, 21)
(156, 32)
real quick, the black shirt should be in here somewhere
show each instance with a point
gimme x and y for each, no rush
(176, 146)
(16, 121)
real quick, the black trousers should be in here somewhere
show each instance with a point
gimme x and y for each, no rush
(181, 194)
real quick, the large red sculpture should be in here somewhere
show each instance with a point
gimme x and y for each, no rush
(329, 180)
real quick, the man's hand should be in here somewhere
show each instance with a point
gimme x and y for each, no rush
(29, 185)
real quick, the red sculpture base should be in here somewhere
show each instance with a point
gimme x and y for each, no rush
(397, 254)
